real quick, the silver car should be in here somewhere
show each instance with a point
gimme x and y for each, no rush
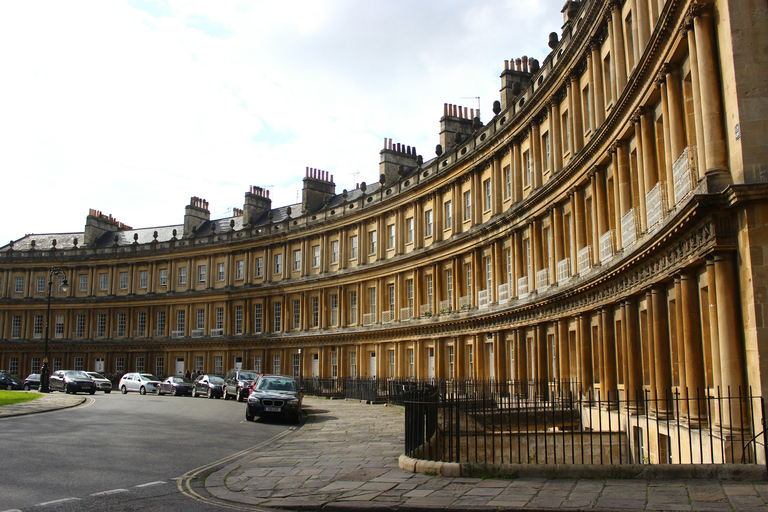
(142, 382)
(102, 383)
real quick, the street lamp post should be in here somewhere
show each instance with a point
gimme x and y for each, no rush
(45, 371)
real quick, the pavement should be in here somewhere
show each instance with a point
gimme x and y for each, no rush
(345, 457)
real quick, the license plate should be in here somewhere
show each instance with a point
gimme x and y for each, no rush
(271, 409)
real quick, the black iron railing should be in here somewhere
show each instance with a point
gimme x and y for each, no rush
(551, 422)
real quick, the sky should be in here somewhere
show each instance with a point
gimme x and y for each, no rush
(133, 107)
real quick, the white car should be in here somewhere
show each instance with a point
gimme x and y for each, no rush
(102, 383)
(142, 382)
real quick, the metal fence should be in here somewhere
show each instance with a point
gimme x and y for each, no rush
(371, 390)
(551, 422)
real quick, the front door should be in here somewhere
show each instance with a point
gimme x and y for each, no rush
(431, 363)
(372, 372)
(180, 366)
(315, 366)
(98, 365)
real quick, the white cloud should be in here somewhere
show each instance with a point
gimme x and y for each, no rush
(132, 108)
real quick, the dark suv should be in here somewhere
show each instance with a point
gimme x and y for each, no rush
(237, 384)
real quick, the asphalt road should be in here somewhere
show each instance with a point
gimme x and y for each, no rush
(122, 452)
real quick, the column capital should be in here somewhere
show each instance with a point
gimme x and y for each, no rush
(617, 144)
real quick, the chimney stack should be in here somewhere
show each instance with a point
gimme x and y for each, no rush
(257, 202)
(97, 223)
(457, 120)
(195, 213)
(393, 156)
(318, 187)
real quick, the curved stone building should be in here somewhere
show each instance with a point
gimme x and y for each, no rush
(607, 224)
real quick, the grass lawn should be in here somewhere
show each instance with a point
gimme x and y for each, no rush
(17, 397)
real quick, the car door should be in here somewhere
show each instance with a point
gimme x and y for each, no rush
(132, 383)
(55, 381)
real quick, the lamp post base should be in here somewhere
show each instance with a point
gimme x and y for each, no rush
(45, 378)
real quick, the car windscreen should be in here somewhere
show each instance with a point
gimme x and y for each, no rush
(277, 385)
(182, 380)
(78, 375)
(149, 376)
(216, 380)
(247, 376)
(96, 375)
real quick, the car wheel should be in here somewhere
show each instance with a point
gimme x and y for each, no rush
(142, 390)
(194, 392)
(209, 394)
(239, 396)
(93, 391)
(8, 386)
(108, 391)
(123, 390)
(224, 394)
(175, 391)
(26, 387)
(248, 415)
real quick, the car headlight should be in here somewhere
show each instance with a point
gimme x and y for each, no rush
(253, 399)
(293, 401)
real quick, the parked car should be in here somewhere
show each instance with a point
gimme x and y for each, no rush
(238, 384)
(10, 381)
(176, 386)
(275, 395)
(72, 381)
(142, 382)
(32, 381)
(102, 383)
(210, 386)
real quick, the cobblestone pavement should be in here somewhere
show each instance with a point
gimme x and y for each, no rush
(345, 458)
(47, 402)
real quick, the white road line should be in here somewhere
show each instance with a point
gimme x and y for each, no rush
(63, 500)
(107, 493)
(11, 510)
(150, 484)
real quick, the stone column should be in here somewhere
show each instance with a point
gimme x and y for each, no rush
(649, 150)
(597, 84)
(591, 94)
(642, 20)
(694, 353)
(557, 236)
(662, 361)
(679, 335)
(563, 349)
(640, 139)
(517, 172)
(633, 384)
(603, 223)
(534, 231)
(578, 222)
(610, 382)
(555, 135)
(622, 177)
(666, 174)
(518, 244)
(617, 55)
(577, 126)
(716, 156)
(687, 31)
(542, 356)
(585, 351)
(676, 119)
(714, 337)
(536, 153)
(521, 359)
(731, 336)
